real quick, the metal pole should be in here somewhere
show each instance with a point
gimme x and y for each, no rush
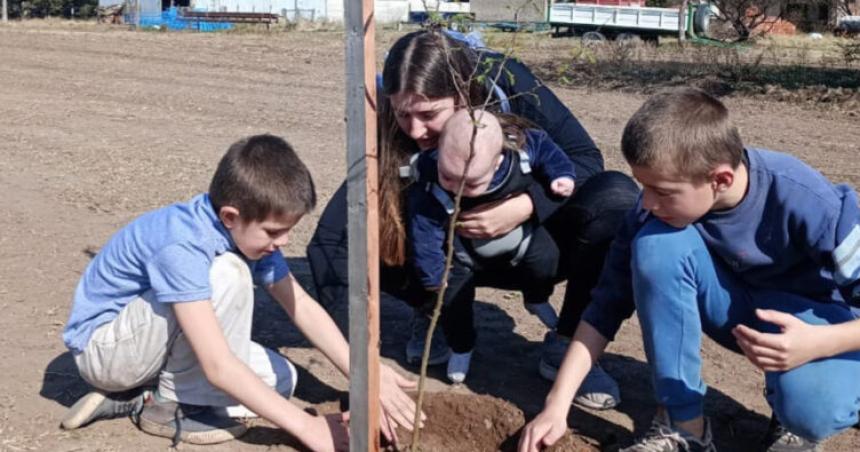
(5, 11)
(363, 229)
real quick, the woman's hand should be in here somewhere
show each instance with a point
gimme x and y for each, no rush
(796, 344)
(495, 219)
(397, 407)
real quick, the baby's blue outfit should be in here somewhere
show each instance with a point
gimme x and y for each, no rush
(791, 245)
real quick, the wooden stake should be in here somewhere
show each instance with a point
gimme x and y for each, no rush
(363, 229)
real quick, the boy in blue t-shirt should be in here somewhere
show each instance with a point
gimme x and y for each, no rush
(753, 248)
(169, 299)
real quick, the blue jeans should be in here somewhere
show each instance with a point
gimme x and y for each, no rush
(680, 291)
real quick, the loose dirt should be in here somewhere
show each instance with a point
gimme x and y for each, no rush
(98, 125)
(478, 422)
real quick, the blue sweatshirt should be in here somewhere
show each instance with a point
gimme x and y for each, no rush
(794, 231)
(428, 217)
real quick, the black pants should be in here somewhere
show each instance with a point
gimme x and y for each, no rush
(582, 230)
(534, 275)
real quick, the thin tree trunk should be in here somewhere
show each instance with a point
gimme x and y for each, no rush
(682, 22)
(5, 11)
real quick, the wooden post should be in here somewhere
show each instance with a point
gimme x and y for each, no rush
(363, 229)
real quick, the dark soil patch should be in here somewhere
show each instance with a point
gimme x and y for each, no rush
(610, 67)
(478, 423)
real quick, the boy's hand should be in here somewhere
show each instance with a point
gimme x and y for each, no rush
(563, 186)
(795, 345)
(327, 433)
(397, 407)
(543, 431)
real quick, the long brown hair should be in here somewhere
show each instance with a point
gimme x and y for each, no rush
(426, 63)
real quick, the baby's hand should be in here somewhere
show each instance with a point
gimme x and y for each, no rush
(563, 186)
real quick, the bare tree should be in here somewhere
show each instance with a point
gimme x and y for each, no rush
(847, 7)
(744, 16)
(481, 71)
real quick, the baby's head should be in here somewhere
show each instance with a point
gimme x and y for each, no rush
(454, 149)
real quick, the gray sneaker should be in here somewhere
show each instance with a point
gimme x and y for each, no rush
(98, 405)
(439, 350)
(779, 439)
(599, 391)
(192, 424)
(662, 437)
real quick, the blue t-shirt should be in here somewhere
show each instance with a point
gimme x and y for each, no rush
(793, 232)
(168, 251)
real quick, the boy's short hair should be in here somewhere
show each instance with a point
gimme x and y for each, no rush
(685, 130)
(260, 176)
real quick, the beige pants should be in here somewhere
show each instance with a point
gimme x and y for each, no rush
(144, 342)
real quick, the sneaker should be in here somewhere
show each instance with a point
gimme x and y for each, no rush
(192, 424)
(439, 350)
(99, 405)
(458, 366)
(544, 312)
(779, 439)
(662, 437)
(599, 391)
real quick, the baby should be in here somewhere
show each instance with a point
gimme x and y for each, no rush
(508, 159)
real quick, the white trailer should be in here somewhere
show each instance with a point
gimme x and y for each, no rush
(419, 10)
(606, 21)
(386, 11)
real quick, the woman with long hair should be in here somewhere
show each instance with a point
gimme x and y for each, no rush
(428, 75)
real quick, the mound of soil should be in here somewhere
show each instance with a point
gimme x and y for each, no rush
(478, 423)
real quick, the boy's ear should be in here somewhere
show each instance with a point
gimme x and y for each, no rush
(229, 216)
(722, 178)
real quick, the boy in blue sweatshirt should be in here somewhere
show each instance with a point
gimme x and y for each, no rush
(753, 248)
(506, 162)
(161, 320)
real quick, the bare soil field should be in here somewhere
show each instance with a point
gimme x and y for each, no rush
(98, 125)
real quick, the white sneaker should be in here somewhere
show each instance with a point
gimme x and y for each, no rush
(545, 312)
(458, 366)
(237, 412)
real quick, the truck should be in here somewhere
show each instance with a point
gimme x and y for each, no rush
(598, 22)
(420, 10)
